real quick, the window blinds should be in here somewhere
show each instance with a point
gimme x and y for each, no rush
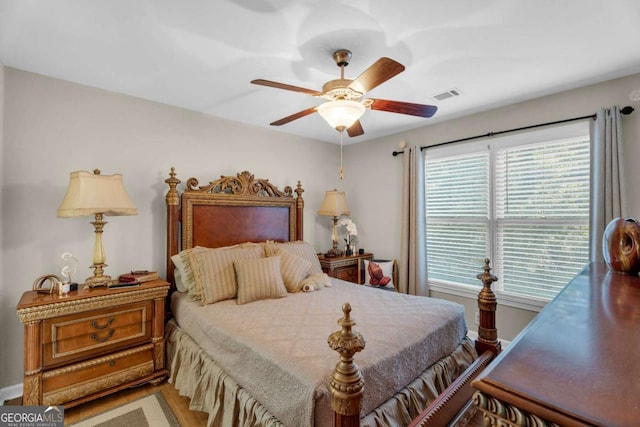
(526, 205)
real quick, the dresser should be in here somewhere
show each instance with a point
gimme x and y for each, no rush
(91, 342)
(576, 364)
(343, 267)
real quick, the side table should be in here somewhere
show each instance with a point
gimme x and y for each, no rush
(91, 342)
(343, 267)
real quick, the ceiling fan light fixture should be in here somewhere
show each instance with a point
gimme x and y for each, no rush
(341, 114)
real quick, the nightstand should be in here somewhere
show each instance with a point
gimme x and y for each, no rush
(343, 267)
(91, 342)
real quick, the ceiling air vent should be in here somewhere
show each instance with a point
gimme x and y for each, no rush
(448, 94)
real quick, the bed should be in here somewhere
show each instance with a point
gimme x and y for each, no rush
(253, 334)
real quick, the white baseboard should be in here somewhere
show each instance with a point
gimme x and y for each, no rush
(11, 392)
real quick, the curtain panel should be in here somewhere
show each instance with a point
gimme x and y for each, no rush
(413, 259)
(608, 193)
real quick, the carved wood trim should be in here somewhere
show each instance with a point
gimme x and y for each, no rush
(31, 390)
(158, 354)
(95, 362)
(79, 390)
(172, 200)
(346, 383)
(243, 184)
(61, 308)
(487, 304)
(500, 414)
(455, 398)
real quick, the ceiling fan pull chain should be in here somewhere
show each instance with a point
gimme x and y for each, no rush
(341, 169)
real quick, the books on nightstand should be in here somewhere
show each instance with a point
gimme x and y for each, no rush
(138, 276)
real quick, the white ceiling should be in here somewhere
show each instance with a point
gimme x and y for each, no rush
(202, 54)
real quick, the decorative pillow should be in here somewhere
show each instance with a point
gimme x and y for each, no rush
(259, 279)
(294, 269)
(183, 265)
(213, 270)
(297, 248)
(378, 274)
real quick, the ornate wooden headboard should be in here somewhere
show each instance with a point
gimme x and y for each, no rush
(228, 211)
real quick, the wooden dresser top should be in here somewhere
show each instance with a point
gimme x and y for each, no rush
(34, 299)
(578, 361)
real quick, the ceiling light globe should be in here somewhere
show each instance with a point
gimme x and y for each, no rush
(341, 114)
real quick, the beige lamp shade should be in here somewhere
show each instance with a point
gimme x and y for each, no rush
(91, 193)
(334, 204)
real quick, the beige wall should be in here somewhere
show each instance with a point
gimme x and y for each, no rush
(374, 192)
(54, 127)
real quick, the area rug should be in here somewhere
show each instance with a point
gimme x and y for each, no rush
(149, 411)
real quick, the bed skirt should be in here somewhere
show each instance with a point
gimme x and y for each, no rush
(196, 376)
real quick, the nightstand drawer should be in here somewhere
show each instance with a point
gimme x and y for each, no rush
(350, 274)
(75, 381)
(81, 335)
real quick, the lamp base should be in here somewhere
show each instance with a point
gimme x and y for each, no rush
(98, 279)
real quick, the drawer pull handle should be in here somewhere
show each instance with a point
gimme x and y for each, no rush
(112, 363)
(95, 336)
(105, 326)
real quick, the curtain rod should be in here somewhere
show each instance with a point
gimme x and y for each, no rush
(626, 111)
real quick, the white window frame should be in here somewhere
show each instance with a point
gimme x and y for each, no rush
(555, 133)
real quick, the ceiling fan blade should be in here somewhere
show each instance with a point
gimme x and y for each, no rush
(355, 129)
(284, 86)
(379, 72)
(293, 117)
(420, 110)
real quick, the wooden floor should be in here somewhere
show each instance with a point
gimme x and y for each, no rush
(179, 406)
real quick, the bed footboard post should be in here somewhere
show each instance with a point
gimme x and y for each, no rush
(346, 383)
(299, 211)
(172, 199)
(487, 303)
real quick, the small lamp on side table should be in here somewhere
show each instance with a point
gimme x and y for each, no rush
(335, 205)
(94, 194)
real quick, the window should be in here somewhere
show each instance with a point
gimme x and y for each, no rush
(521, 200)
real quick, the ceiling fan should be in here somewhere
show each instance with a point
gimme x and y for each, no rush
(344, 104)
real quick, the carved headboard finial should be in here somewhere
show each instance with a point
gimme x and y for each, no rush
(172, 196)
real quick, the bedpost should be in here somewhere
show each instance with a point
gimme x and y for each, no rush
(299, 212)
(172, 200)
(346, 383)
(487, 332)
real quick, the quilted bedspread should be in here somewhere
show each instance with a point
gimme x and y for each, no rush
(277, 349)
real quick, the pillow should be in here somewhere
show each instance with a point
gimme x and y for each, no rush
(182, 264)
(213, 270)
(294, 269)
(177, 277)
(259, 279)
(299, 248)
(379, 274)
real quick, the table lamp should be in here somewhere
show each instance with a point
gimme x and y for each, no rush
(94, 194)
(335, 205)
